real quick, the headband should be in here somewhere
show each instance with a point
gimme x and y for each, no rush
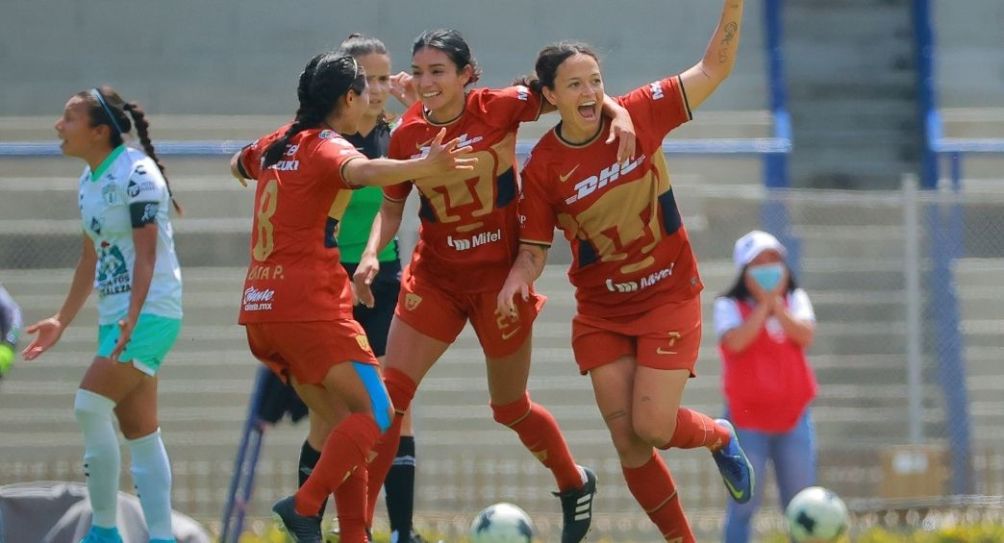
(108, 111)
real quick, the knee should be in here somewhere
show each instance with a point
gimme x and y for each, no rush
(654, 431)
(631, 449)
(88, 406)
(512, 413)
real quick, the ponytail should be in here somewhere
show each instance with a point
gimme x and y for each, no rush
(143, 132)
(325, 79)
(531, 82)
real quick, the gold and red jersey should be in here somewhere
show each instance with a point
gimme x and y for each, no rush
(469, 229)
(295, 274)
(630, 251)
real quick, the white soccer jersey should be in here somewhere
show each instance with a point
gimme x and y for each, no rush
(128, 189)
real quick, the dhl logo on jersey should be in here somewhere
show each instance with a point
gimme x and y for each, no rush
(606, 176)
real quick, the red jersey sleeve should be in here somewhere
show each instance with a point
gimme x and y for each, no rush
(660, 106)
(508, 106)
(536, 212)
(250, 158)
(330, 155)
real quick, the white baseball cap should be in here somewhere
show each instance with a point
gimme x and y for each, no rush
(752, 244)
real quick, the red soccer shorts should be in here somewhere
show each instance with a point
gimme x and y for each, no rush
(667, 337)
(441, 315)
(307, 350)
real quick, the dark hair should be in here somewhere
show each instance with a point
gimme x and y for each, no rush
(449, 41)
(738, 290)
(548, 61)
(108, 108)
(358, 45)
(325, 80)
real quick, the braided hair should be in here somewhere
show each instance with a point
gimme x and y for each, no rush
(324, 81)
(106, 107)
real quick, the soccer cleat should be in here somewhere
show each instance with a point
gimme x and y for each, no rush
(577, 509)
(302, 529)
(98, 534)
(736, 470)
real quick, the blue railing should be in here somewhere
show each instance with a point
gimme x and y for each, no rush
(945, 230)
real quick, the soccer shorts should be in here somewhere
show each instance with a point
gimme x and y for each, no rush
(308, 350)
(375, 320)
(667, 337)
(150, 342)
(441, 315)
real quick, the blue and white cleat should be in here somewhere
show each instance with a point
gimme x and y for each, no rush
(736, 470)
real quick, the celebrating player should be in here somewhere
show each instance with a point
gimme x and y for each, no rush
(297, 304)
(467, 242)
(638, 324)
(128, 256)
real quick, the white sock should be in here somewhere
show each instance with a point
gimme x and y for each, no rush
(101, 454)
(151, 474)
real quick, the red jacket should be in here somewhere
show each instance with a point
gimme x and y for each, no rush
(768, 384)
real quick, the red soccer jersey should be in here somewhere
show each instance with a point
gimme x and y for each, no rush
(295, 274)
(630, 249)
(469, 231)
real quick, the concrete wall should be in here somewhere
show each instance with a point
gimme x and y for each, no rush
(230, 57)
(970, 64)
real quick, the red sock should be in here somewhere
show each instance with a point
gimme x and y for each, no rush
(351, 503)
(695, 430)
(539, 432)
(653, 488)
(401, 390)
(346, 448)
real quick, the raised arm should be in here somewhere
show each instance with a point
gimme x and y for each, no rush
(703, 78)
(441, 158)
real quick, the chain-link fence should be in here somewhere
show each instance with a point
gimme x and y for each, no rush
(905, 287)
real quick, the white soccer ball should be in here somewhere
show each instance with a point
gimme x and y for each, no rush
(817, 515)
(502, 523)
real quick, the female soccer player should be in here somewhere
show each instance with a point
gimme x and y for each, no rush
(128, 256)
(638, 324)
(466, 245)
(764, 324)
(372, 139)
(297, 305)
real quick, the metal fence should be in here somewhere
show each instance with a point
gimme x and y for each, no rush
(873, 263)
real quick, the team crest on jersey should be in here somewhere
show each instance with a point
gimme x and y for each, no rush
(109, 195)
(363, 341)
(411, 301)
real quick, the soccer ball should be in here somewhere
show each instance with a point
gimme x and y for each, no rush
(502, 523)
(816, 515)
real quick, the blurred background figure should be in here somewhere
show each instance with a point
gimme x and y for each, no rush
(10, 329)
(765, 324)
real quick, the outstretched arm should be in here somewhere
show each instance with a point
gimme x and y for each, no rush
(703, 78)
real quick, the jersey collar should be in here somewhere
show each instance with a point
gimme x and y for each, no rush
(107, 162)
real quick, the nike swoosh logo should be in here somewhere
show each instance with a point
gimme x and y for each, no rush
(565, 177)
(660, 350)
(510, 334)
(736, 493)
